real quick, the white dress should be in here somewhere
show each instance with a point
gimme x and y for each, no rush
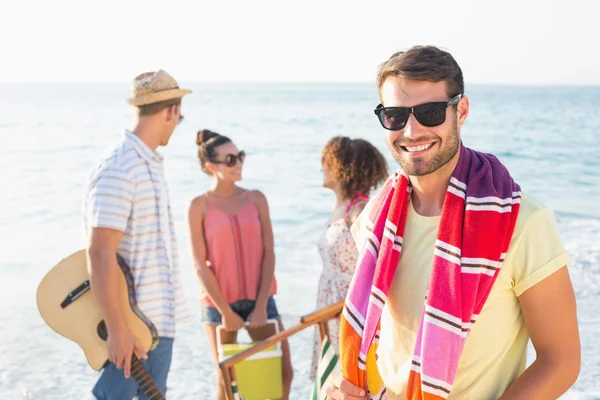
(339, 256)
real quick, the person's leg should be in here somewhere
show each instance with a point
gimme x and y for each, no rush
(158, 364)
(212, 319)
(263, 332)
(286, 356)
(287, 372)
(112, 385)
(226, 337)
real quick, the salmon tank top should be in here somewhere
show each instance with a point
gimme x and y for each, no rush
(235, 251)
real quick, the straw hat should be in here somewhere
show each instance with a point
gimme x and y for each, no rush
(154, 87)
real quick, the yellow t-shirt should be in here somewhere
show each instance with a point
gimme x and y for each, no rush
(496, 348)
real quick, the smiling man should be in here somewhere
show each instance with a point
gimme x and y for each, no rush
(458, 268)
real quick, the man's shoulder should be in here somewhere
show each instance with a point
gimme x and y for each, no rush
(530, 207)
(534, 217)
(536, 249)
(117, 160)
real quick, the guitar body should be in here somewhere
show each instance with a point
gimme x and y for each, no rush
(67, 304)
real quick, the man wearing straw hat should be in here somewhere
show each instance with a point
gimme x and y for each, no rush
(127, 211)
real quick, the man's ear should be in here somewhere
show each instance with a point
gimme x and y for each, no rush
(172, 112)
(462, 111)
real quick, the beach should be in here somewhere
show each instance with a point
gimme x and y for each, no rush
(54, 133)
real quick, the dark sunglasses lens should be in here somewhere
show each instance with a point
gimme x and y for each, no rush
(393, 118)
(242, 156)
(230, 160)
(431, 114)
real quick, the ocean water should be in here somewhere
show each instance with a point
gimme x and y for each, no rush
(53, 133)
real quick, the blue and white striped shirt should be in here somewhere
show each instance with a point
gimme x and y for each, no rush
(127, 191)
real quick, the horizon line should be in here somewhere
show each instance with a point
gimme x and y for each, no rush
(290, 82)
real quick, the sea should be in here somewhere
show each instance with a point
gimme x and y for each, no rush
(53, 133)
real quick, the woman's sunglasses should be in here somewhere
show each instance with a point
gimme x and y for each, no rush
(232, 159)
(428, 114)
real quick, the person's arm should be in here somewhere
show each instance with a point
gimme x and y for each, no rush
(355, 212)
(346, 275)
(206, 275)
(105, 283)
(110, 201)
(360, 221)
(104, 275)
(549, 311)
(543, 287)
(267, 271)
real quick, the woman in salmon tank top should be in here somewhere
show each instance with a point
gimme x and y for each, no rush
(351, 168)
(232, 246)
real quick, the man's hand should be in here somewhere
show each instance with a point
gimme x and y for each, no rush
(121, 345)
(342, 389)
(257, 317)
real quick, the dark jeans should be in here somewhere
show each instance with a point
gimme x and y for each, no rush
(112, 384)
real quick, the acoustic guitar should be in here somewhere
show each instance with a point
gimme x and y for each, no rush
(67, 304)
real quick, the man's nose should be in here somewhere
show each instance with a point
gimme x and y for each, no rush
(412, 128)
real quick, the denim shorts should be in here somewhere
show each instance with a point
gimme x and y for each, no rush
(243, 308)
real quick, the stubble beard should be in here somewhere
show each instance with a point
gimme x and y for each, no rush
(419, 166)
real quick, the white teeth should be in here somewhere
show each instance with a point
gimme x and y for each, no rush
(419, 148)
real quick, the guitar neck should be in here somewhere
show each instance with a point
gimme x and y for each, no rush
(145, 381)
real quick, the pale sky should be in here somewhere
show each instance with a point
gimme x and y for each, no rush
(510, 42)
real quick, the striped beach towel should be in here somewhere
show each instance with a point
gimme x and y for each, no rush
(478, 218)
(327, 369)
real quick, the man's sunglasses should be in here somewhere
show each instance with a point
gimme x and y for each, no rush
(428, 114)
(232, 159)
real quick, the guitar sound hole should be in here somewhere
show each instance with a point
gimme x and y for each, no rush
(102, 332)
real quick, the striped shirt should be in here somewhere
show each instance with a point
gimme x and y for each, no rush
(127, 191)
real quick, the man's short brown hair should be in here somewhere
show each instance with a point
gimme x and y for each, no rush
(155, 108)
(424, 63)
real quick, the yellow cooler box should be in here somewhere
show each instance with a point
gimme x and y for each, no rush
(259, 376)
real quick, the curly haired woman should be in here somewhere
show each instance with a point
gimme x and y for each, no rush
(352, 168)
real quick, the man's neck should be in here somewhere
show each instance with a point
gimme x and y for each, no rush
(144, 131)
(429, 191)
